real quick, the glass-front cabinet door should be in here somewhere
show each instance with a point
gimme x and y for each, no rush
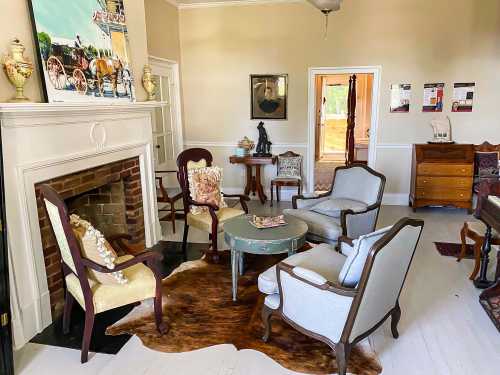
(164, 132)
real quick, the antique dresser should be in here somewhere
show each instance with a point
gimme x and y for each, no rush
(442, 175)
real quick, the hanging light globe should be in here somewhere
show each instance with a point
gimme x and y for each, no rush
(326, 7)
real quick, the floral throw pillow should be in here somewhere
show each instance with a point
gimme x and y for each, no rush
(205, 187)
(486, 164)
(289, 166)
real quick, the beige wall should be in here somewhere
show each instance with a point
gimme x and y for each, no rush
(413, 41)
(15, 21)
(162, 23)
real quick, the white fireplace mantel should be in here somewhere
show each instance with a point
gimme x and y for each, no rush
(42, 141)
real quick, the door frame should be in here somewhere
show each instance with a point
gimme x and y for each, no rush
(311, 113)
(161, 63)
(6, 355)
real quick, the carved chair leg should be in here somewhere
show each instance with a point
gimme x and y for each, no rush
(160, 324)
(477, 259)
(272, 194)
(266, 319)
(464, 243)
(342, 352)
(184, 241)
(278, 193)
(68, 306)
(87, 335)
(395, 317)
(172, 216)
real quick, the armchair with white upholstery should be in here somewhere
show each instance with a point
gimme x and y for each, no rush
(340, 298)
(350, 208)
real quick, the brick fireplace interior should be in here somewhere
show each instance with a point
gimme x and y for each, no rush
(108, 196)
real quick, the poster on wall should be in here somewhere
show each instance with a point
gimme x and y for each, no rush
(268, 96)
(400, 98)
(433, 97)
(463, 97)
(83, 50)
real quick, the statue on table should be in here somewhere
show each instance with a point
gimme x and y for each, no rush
(263, 145)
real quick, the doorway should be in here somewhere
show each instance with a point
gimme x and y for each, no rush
(328, 120)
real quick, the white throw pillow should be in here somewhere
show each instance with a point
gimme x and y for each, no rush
(353, 267)
(332, 207)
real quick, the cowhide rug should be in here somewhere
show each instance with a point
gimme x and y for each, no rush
(198, 308)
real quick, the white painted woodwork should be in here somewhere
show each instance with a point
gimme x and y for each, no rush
(43, 141)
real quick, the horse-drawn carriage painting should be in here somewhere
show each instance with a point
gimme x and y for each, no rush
(83, 49)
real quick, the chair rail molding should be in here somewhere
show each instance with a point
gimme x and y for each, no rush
(194, 143)
(43, 141)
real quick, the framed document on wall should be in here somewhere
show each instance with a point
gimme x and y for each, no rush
(268, 96)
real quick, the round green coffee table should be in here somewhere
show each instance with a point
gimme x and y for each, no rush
(243, 237)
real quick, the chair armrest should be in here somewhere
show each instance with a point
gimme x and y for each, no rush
(199, 204)
(147, 256)
(344, 239)
(328, 285)
(243, 200)
(309, 275)
(295, 198)
(364, 221)
(163, 191)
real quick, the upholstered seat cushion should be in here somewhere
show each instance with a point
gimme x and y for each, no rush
(334, 206)
(319, 225)
(203, 221)
(480, 228)
(322, 259)
(272, 301)
(141, 285)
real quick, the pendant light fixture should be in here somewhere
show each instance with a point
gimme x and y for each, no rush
(326, 7)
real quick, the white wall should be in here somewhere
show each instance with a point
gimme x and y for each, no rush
(414, 42)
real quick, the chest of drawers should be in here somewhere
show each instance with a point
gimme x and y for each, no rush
(442, 175)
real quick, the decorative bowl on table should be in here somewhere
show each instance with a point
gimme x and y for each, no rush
(264, 222)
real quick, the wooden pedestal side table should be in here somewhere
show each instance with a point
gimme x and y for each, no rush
(243, 238)
(254, 182)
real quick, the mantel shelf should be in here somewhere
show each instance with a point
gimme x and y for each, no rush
(31, 109)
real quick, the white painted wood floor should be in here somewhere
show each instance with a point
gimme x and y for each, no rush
(443, 329)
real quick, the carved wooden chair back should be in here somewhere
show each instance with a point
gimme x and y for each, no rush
(188, 159)
(485, 189)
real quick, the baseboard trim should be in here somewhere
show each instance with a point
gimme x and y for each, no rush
(395, 199)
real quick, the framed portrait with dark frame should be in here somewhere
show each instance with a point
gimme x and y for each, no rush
(268, 96)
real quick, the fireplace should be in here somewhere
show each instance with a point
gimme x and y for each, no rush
(109, 196)
(91, 154)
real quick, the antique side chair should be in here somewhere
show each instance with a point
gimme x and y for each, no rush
(168, 197)
(142, 272)
(212, 221)
(289, 173)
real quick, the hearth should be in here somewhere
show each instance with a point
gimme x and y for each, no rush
(109, 196)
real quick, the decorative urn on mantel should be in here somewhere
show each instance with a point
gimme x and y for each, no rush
(148, 83)
(18, 69)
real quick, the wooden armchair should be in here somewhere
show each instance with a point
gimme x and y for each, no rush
(168, 196)
(211, 221)
(476, 230)
(144, 280)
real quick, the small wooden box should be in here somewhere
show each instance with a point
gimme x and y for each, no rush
(442, 175)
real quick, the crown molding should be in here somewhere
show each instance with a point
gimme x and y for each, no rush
(216, 4)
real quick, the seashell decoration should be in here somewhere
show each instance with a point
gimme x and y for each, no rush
(18, 69)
